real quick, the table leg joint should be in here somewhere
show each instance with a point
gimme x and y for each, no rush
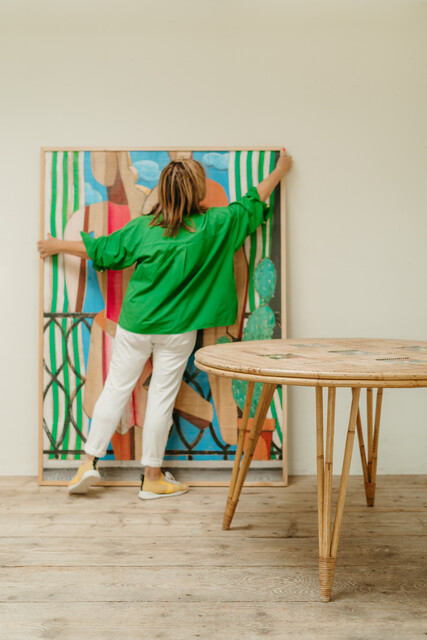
(326, 574)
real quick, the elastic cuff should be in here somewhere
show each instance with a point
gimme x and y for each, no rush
(253, 191)
(90, 243)
(94, 452)
(151, 462)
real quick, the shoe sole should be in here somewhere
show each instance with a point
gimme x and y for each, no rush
(149, 495)
(89, 478)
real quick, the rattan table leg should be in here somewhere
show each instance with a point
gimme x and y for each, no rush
(372, 464)
(257, 424)
(328, 545)
(370, 458)
(239, 450)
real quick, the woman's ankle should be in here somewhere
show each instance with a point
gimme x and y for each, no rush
(152, 473)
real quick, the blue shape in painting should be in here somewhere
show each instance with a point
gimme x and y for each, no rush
(217, 160)
(91, 195)
(215, 164)
(92, 185)
(93, 303)
(148, 172)
(149, 165)
(207, 444)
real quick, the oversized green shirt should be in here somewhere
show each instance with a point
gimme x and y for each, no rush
(182, 283)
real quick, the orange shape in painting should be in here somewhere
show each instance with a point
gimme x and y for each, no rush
(215, 195)
(263, 446)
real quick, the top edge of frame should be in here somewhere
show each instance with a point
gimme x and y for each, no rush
(205, 148)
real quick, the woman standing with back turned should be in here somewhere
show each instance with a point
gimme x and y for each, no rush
(183, 281)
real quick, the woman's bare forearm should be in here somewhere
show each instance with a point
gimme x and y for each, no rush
(267, 186)
(75, 248)
(53, 246)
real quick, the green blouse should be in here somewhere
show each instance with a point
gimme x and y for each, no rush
(182, 283)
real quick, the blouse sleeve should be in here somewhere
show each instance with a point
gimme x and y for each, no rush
(119, 250)
(247, 215)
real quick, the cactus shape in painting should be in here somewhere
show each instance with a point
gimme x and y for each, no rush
(260, 326)
(265, 279)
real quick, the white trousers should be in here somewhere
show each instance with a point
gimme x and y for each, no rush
(130, 352)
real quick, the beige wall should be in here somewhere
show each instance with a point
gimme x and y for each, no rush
(341, 84)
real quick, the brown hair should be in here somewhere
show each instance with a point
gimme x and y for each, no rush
(182, 186)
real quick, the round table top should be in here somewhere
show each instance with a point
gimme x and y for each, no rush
(349, 362)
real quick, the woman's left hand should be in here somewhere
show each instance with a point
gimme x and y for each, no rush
(49, 247)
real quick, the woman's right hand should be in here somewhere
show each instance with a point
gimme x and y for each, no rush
(284, 163)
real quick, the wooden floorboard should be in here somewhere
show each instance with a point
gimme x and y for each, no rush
(108, 565)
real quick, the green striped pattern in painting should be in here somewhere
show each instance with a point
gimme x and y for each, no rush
(66, 369)
(64, 195)
(246, 169)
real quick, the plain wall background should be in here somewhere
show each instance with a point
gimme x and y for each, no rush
(341, 84)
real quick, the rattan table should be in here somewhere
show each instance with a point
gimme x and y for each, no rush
(331, 363)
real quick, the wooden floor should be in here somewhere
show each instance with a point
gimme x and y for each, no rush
(108, 565)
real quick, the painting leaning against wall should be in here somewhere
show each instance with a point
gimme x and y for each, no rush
(99, 191)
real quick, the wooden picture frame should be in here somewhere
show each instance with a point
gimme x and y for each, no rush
(61, 200)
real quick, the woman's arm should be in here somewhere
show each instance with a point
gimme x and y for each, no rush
(252, 210)
(267, 186)
(52, 246)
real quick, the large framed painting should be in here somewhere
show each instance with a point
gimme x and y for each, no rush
(99, 191)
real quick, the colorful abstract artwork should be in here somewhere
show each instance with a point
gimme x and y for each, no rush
(99, 192)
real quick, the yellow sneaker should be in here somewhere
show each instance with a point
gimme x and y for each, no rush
(164, 487)
(86, 475)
